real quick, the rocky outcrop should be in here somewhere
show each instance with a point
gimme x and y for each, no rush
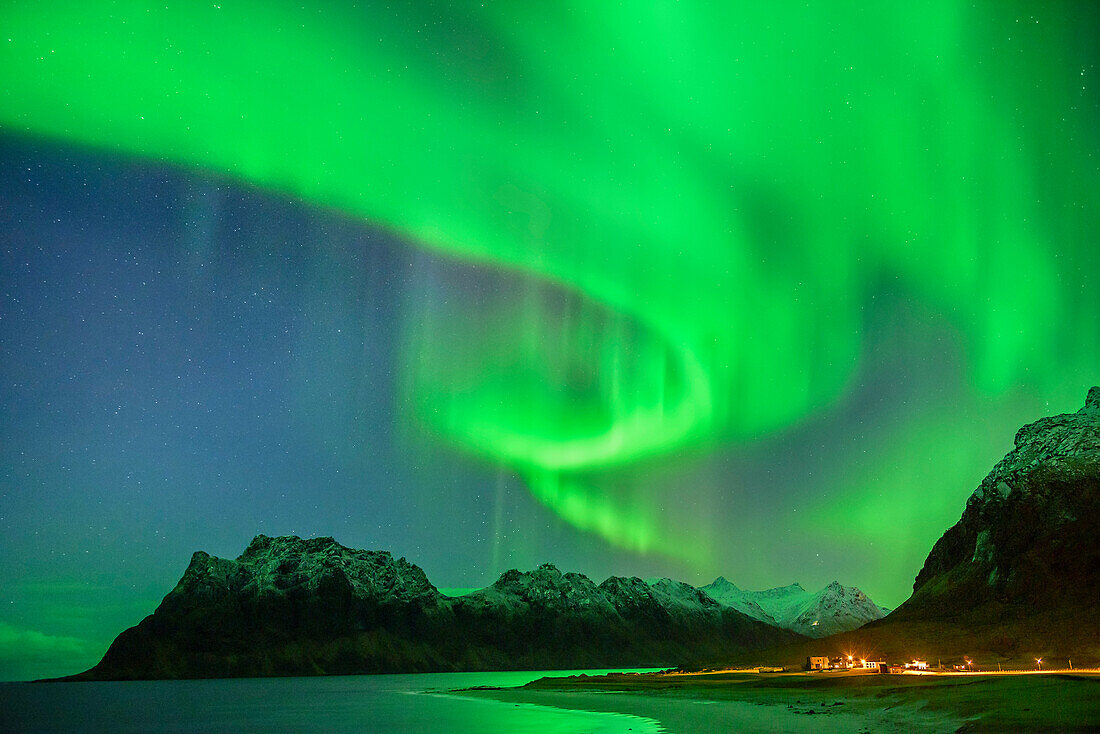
(289, 606)
(286, 606)
(1029, 533)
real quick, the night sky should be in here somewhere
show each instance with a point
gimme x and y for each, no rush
(650, 289)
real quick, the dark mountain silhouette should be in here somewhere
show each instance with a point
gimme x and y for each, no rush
(289, 606)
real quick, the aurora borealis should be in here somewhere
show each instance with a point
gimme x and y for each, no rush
(760, 291)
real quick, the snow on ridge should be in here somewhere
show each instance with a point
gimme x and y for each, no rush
(677, 593)
(835, 608)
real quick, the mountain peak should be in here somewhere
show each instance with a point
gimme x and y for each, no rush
(264, 545)
(722, 584)
(835, 608)
(1032, 520)
(1092, 400)
(544, 583)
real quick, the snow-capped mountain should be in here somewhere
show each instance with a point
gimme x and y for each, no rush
(833, 609)
(681, 597)
(727, 593)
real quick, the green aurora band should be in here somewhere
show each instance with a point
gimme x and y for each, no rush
(701, 202)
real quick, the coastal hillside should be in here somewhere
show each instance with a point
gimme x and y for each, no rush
(289, 606)
(1017, 578)
(1030, 534)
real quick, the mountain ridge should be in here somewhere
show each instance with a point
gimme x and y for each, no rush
(1018, 574)
(834, 608)
(293, 606)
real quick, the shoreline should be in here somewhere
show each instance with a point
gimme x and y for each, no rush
(795, 702)
(602, 719)
(693, 713)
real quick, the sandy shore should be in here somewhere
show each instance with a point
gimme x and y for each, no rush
(692, 713)
(858, 704)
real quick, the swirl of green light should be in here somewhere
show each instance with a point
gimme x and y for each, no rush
(714, 193)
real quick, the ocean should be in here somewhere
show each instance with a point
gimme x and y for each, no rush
(360, 703)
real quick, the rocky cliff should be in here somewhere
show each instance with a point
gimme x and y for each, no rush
(1030, 533)
(1017, 577)
(289, 606)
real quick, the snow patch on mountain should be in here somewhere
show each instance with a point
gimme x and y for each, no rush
(728, 594)
(834, 609)
(677, 594)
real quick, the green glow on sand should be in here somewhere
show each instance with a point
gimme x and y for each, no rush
(709, 199)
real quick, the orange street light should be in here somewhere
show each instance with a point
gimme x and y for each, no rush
(1040, 662)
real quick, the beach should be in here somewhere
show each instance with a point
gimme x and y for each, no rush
(801, 702)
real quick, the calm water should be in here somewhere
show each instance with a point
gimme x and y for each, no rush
(367, 703)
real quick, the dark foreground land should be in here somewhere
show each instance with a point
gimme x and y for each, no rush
(857, 702)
